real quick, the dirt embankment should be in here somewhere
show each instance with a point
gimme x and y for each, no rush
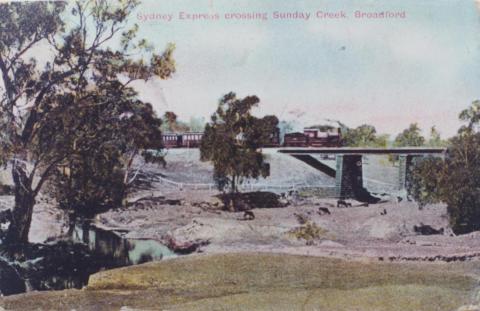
(309, 226)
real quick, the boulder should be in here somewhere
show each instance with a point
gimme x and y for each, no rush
(185, 247)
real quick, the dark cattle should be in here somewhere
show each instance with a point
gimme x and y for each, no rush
(343, 203)
(427, 230)
(248, 215)
(323, 211)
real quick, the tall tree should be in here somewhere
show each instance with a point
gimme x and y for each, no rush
(363, 136)
(471, 116)
(172, 124)
(410, 137)
(435, 139)
(98, 171)
(454, 180)
(232, 141)
(86, 61)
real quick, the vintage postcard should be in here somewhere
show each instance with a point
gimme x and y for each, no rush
(240, 155)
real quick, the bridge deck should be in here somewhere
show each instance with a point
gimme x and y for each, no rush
(360, 151)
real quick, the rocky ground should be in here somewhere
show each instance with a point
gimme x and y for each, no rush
(185, 217)
(384, 231)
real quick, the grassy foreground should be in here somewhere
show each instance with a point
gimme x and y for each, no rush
(264, 282)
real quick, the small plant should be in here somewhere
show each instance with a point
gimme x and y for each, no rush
(309, 232)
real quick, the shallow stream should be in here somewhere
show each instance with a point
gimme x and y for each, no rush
(69, 264)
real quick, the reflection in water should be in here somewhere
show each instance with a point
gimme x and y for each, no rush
(120, 251)
(69, 264)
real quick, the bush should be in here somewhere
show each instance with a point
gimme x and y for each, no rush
(90, 185)
(423, 182)
(308, 232)
(453, 181)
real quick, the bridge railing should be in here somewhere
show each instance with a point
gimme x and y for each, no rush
(246, 186)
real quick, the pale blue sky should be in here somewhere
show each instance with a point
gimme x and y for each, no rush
(386, 72)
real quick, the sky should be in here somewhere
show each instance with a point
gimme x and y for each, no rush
(419, 66)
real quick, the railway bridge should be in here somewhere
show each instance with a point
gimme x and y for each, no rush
(348, 172)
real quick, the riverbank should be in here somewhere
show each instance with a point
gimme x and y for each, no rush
(248, 281)
(388, 231)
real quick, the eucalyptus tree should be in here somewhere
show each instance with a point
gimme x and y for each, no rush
(454, 180)
(410, 137)
(54, 57)
(232, 141)
(364, 135)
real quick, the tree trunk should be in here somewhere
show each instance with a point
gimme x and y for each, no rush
(23, 209)
(234, 185)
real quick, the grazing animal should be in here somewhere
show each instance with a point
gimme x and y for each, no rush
(343, 203)
(427, 230)
(323, 211)
(384, 212)
(248, 215)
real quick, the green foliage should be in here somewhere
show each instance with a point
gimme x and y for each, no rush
(471, 116)
(460, 183)
(424, 180)
(101, 146)
(172, 124)
(232, 140)
(309, 232)
(82, 73)
(454, 180)
(410, 137)
(435, 139)
(90, 184)
(364, 136)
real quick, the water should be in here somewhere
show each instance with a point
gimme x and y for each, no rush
(69, 264)
(122, 251)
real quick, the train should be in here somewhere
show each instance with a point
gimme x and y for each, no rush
(310, 137)
(313, 137)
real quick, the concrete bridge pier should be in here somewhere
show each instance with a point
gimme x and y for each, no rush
(404, 165)
(404, 169)
(349, 179)
(348, 176)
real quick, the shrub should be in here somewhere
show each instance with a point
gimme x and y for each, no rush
(453, 181)
(308, 232)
